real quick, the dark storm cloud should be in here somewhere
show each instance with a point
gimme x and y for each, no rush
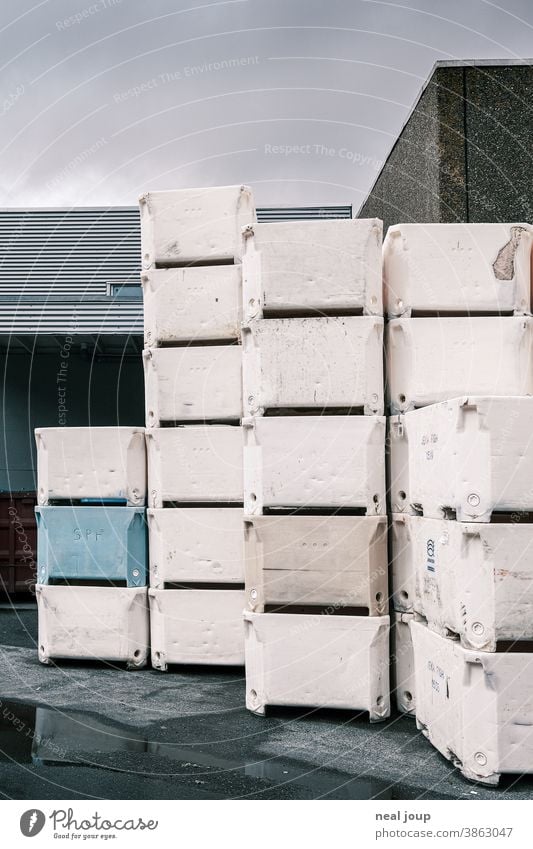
(102, 100)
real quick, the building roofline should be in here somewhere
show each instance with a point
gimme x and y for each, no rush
(481, 63)
(441, 63)
(113, 208)
(66, 209)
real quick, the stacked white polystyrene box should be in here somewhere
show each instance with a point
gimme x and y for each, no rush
(191, 246)
(460, 485)
(458, 300)
(316, 633)
(91, 615)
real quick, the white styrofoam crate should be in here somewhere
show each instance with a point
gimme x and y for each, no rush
(314, 461)
(196, 545)
(475, 707)
(403, 663)
(317, 560)
(194, 225)
(402, 567)
(433, 359)
(195, 383)
(398, 463)
(313, 363)
(306, 266)
(470, 579)
(96, 623)
(310, 660)
(197, 626)
(195, 464)
(196, 304)
(464, 268)
(471, 455)
(74, 463)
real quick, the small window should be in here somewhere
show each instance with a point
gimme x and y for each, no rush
(125, 290)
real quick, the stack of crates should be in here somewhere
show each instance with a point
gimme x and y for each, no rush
(92, 558)
(316, 629)
(192, 286)
(460, 373)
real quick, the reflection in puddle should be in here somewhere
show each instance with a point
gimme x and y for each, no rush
(280, 771)
(59, 736)
(43, 736)
(40, 735)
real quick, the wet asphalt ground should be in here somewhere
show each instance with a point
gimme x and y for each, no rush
(84, 731)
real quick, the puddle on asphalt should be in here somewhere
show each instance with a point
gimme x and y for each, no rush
(44, 737)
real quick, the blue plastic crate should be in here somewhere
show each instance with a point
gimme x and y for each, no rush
(92, 544)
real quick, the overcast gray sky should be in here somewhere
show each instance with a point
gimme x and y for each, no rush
(302, 99)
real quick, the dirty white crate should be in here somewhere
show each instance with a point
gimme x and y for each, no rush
(475, 707)
(93, 623)
(196, 545)
(75, 463)
(403, 663)
(458, 268)
(470, 579)
(317, 661)
(198, 304)
(314, 461)
(313, 363)
(433, 359)
(197, 626)
(471, 455)
(313, 266)
(195, 383)
(194, 225)
(317, 560)
(398, 463)
(195, 464)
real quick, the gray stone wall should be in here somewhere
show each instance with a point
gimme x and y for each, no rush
(499, 133)
(464, 154)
